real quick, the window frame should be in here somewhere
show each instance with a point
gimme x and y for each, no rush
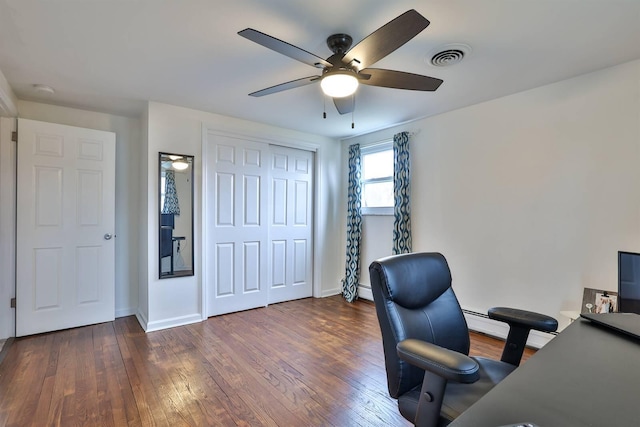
(162, 188)
(372, 149)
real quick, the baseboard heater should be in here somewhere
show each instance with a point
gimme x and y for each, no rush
(480, 322)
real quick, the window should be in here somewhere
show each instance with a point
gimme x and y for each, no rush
(377, 179)
(163, 187)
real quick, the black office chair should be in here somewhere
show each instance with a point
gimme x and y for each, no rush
(167, 223)
(426, 339)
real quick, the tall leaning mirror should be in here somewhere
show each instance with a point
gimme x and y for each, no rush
(175, 232)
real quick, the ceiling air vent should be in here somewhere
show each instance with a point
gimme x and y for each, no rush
(448, 55)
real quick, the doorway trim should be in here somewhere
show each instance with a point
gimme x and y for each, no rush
(8, 150)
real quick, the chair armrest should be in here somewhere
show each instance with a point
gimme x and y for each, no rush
(520, 323)
(529, 319)
(443, 362)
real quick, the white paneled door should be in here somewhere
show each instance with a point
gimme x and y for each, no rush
(258, 224)
(290, 229)
(65, 226)
(236, 206)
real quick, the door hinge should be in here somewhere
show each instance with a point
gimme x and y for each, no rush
(14, 136)
(13, 303)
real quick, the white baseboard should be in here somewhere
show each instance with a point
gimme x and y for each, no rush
(364, 292)
(142, 319)
(173, 322)
(124, 312)
(330, 292)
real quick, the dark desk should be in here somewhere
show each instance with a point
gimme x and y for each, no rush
(586, 376)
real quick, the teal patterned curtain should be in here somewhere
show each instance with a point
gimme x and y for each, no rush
(354, 226)
(401, 194)
(171, 205)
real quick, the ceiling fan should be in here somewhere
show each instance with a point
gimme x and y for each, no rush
(348, 66)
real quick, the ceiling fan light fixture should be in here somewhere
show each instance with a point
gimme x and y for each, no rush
(180, 165)
(338, 84)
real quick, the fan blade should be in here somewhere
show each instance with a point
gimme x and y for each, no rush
(284, 48)
(345, 105)
(385, 40)
(399, 80)
(285, 86)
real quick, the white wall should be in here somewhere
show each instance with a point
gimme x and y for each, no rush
(143, 219)
(127, 132)
(530, 196)
(174, 129)
(380, 226)
(8, 100)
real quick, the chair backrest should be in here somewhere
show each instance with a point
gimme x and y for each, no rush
(414, 299)
(167, 220)
(166, 241)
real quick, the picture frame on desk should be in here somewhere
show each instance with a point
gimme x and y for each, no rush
(599, 301)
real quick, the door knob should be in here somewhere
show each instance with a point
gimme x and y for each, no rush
(107, 236)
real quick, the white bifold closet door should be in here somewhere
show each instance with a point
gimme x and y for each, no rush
(290, 224)
(258, 213)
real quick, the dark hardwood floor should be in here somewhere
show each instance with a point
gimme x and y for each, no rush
(312, 362)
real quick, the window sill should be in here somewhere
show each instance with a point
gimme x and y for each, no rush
(377, 211)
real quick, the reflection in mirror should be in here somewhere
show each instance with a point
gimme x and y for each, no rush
(176, 215)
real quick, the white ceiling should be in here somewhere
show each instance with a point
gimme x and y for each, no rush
(113, 55)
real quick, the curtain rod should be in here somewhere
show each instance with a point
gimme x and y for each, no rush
(386, 140)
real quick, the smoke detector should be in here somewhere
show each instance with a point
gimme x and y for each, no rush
(447, 55)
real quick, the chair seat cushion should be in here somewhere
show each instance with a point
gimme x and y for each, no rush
(458, 397)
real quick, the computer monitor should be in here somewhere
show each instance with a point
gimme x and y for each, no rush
(628, 282)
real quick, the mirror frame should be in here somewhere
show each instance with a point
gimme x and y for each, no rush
(162, 156)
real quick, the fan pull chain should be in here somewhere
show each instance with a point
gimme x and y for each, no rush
(353, 107)
(324, 107)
